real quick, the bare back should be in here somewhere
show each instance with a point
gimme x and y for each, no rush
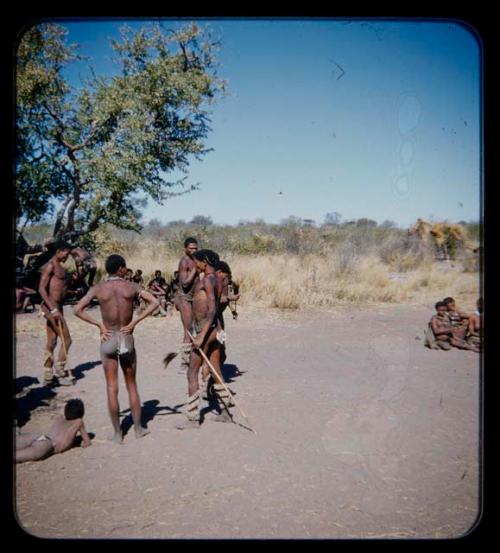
(116, 300)
(63, 432)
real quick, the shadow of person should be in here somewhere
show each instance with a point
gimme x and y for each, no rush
(150, 409)
(82, 367)
(23, 382)
(36, 397)
(230, 371)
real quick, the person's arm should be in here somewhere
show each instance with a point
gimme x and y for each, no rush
(85, 437)
(438, 327)
(186, 276)
(212, 312)
(153, 305)
(79, 311)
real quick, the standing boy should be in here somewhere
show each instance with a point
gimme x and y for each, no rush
(116, 299)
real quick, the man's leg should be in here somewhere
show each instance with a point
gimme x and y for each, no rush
(48, 375)
(222, 395)
(185, 309)
(128, 364)
(110, 365)
(66, 377)
(193, 403)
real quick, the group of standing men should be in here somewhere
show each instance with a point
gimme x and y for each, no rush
(203, 293)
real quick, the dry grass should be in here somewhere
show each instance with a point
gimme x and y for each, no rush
(316, 281)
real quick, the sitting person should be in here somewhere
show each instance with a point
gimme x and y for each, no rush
(458, 318)
(447, 335)
(76, 289)
(25, 297)
(34, 447)
(475, 328)
(138, 277)
(158, 287)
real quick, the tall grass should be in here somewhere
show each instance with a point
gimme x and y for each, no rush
(297, 267)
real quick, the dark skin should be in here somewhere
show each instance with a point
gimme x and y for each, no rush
(52, 289)
(188, 275)
(443, 330)
(205, 307)
(116, 301)
(475, 326)
(62, 434)
(222, 297)
(158, 287)
(80, 255)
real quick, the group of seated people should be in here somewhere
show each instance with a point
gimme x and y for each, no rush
(162, 290)
(452, 327)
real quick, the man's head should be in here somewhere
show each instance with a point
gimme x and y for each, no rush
(74, 409)
(115, 265)
(223, 267)
(450, 303)
(138, 272)
(441, 308)
(157, 274)
(190, 246)
(62, 250)
(204, 258)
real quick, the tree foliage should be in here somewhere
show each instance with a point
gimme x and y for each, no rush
(99, 151)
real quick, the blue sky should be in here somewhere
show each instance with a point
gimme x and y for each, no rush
(377, 119)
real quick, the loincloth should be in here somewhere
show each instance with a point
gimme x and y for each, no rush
(118, 344)
(186, 296)
(198, 325)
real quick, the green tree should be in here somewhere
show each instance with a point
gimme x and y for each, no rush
(98, 152)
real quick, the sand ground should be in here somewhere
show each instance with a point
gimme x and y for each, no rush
(361, 432)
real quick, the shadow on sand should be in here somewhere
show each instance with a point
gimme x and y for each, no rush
(150, 409)
(82, 367)
(36, 397)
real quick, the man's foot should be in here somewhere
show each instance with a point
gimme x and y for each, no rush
(140, 432)
(48, 378)
(222, 417)
(116, 437)
(188, 425)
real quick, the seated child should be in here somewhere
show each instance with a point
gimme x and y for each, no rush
(441, 326)
(34, 447)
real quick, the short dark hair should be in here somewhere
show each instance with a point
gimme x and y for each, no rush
(190, 240)
(208, 256)
(448, 300)
(157, 271)
(440, 304)
(113, 263)
(223, 267)
(74, 409)
(61, 245)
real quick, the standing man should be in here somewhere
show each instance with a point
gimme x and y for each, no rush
(85, 264)
(206, 326)
(116, 300)
(52, 289)
(183, 302)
